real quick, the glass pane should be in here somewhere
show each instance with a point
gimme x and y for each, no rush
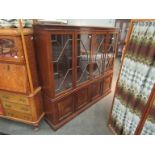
(7, 49)
(110, 53)
(98, 54)
(83, 57)
(62, 61)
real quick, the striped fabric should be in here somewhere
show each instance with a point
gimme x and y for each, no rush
(136, 80)
(149, 126)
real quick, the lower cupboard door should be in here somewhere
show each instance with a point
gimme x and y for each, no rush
(65, 107)
(95, 90)
(81, 98)
(107, 84)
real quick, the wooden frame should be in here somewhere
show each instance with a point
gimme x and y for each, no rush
(141, 123)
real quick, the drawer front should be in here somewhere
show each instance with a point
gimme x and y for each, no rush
(11, 49)
(13, 78)
(17, 107)
(14, 98)
(19, 115)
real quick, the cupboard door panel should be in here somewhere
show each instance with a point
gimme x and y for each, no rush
(95, 90)
(13, 78)
(81, 97)
(65, 107)
(107, 83)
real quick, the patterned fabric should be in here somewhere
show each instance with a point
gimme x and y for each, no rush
(149, 126)
(136, 79)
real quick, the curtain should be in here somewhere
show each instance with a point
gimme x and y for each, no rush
(136, 80)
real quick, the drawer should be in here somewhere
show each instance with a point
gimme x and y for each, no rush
(11, 49)
(14, 98)
(19, 115)
(17, 107)
(13, 78)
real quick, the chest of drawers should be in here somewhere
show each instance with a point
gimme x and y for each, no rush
(20, 93)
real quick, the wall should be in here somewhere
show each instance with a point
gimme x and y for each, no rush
(92, 22)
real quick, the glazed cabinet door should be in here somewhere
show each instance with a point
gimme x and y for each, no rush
(61, 58)
(110, 50)
(104, 46)
(83, 44)
(98, 56)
